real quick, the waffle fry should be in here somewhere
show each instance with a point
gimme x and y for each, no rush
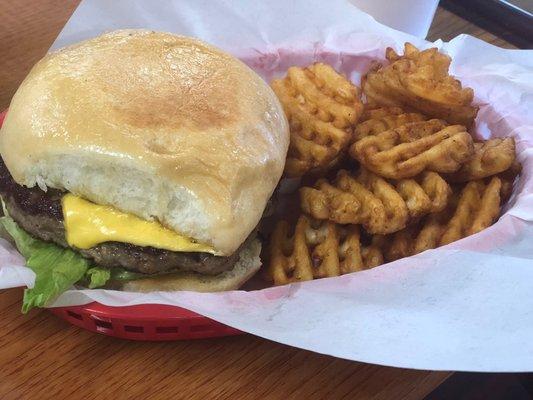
(508, 177)
(364, 199)
(322, 106)
(411, 143)
(419, 80)
(477, 209)
(474, 208)
(490, 158)
(384, 122)
(427, 193)
(370, 112)
(406, 151)
(317, 250)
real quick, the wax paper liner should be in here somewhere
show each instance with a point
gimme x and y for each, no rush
(465, 306)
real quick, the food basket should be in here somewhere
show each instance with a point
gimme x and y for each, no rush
(155, 322)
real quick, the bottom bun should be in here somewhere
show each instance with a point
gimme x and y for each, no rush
(247, 265)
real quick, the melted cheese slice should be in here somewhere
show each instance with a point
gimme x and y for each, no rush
(88, 224)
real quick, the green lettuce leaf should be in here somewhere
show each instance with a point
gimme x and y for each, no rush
(56, 269)
(97, 276)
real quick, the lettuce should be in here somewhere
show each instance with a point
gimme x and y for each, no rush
(97, 277)
(57, 269)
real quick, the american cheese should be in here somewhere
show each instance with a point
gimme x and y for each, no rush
(88, 224)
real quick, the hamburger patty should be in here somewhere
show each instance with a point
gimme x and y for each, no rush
(40, 214)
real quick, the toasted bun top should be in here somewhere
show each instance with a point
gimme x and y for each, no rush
(162, 126)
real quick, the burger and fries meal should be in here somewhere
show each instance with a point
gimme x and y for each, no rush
(145, 161)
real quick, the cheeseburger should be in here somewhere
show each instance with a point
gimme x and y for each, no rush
(141, 161)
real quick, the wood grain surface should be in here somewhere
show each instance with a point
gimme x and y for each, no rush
(42, 357)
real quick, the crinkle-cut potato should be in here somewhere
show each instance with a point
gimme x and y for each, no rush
(379, 206)
(322, 106)
(364, 199)
(373, 112)
(490, 158)
(424, 194)
(384, 122)
(419, 80)
(317, 249)
(508, 177)
(475, 207)
(419, 181)
(407, 151)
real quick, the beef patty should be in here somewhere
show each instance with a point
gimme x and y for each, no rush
(40, 214)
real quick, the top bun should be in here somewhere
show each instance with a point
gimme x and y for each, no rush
(161, 126)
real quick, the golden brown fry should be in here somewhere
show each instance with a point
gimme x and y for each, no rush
(428, 193)
(322, 106)
(377, 125)
(317, 250)
(370, 112)
(419, 80)
(475, 208)
(406, 151)
(400, 195)
(490, 158)
(380, 206)
(364, 199)
(508, 177)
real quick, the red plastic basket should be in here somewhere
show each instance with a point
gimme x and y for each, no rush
(142, 322)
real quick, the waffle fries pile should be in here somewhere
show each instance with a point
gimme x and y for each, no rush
(419, 80)
(318, 249)
(388, 179)
(322, 108)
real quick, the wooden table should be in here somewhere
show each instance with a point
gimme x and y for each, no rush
(44, 357)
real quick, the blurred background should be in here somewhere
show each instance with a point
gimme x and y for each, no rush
(504, 23)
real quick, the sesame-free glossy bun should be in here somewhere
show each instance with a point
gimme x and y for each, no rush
(161, 126)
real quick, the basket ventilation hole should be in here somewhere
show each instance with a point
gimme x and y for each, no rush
(103, 324)
(166, 329)
(74, 315)
(133, 329)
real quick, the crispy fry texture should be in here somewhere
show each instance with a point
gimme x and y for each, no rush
(508, 178)
(376, 112)
(427, 193)
(322, 107)
(383, 122)
(474, 208)
(364, 199)
(477, 208)
(378, 205)
(490, 158)
(317, 249)
(406, 151)
(419, 80)
(414, 180)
